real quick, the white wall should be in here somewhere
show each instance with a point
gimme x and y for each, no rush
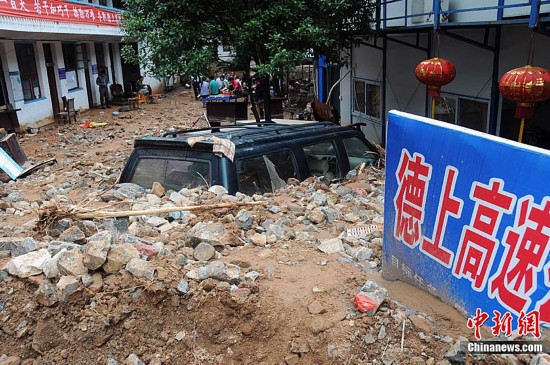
(80, 96)
(404, 92)
(522, 10)
(33, 110)
(156, 85)
(92, 60)
(474, 65)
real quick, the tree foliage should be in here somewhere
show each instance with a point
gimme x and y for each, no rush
(182, 36)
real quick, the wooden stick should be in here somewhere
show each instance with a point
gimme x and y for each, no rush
(403, 336)
(361, 168)
(129, 213)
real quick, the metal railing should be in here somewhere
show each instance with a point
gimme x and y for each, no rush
(532, 18)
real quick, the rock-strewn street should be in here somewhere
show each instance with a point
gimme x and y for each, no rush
(270, 284)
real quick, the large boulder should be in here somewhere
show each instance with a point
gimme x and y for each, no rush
(95, 251)
(211, 233)
(73, 234)
(66, 286)
(124, 191)
(333, 245)
(71, 263)
(141, 269)
(29, 264)
(204, 252)
(50, 267)
(18, 246)
(119, 256)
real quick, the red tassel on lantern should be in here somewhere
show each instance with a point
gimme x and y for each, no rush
(526, 86)
(435, 73)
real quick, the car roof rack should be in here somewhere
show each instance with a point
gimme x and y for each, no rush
(252, 126)
(243, 133)
(179, 131)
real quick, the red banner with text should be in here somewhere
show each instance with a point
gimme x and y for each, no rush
(60, 11)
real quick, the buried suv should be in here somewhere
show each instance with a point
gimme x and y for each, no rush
(247, 158)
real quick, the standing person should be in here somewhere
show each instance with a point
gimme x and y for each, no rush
(214, 87)
(219, 80)
(225, 83)
(197, 86)
(205, 89)
(102, 82)
(258, 96)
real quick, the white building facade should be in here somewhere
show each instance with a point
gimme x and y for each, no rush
(482, 39)
(51, 49)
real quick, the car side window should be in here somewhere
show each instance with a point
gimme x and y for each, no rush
(172, 174)
(322, 159)
(358, 152)
(263, 174)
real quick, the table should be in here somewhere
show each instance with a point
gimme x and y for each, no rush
(221, 97)
(276, 106)
(9, 120)
(226, 112)
(225, 108)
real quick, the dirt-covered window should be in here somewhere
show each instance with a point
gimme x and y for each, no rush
(172, 174)
(358, 152)
(366, 98)
(322, 159)
(266, 173)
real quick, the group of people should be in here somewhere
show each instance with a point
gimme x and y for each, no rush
(102, 81)
(207, 86)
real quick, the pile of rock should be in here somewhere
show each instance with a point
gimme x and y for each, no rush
(78, 253)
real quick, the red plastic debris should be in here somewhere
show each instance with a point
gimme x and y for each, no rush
(147, 251)
(364, 304)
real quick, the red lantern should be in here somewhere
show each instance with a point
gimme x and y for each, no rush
(435, 73)
(526, 86)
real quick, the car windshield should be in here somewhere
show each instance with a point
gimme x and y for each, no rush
(171, 173)
(359, 152)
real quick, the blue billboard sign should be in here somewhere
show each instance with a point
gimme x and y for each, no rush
(467, 218)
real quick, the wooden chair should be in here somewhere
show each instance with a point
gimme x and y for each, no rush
(68, 111)
(141, 98)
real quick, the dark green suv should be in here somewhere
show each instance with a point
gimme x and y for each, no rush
(250, 158)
